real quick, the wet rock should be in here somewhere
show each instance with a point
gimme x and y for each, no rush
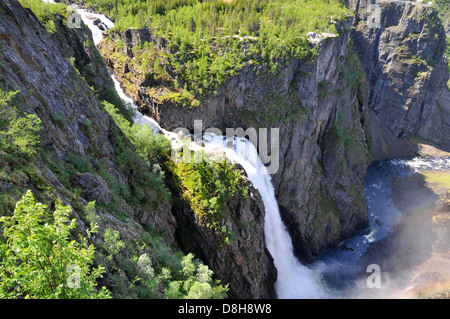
(100, 24)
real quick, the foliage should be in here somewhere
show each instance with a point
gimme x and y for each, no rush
(37, 256)
(340, 134)
(210, 41)
(443, 8)
(209, 186)
(147, 185)
(156, 275)
(46, 12)
(18, 132)
(353, 71)
(148, 144)
(195, 282)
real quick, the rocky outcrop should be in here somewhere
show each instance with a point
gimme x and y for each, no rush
(94, 188)
(28, 65)
(244, 264)
(401, 46)
(367, 92)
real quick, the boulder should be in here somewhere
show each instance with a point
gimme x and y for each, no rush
(93, 188)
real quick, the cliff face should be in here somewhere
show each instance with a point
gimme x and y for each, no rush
(401, 46)
(245, 263)
(77, 136)
(371, 93)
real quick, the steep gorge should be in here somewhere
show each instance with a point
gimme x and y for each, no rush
(309, 102)
(401, 45)
(353, 104)
(84, 156)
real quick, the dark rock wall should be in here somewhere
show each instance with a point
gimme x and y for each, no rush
(401, 46)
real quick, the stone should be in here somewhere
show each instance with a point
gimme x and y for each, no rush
(93, 188)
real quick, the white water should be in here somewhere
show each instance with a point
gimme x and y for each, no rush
(294, 279)
(96, 32)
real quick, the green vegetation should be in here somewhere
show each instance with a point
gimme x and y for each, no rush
(166, 274)
(46, 12)
(209, 187)
(38, 259)
(340, 134)
(443, 8)
(439, 183)
(438, 178)
(18, 131)
(209, 41)
(41, 246)
(327, 209)
(353, 71)
(147, 186)
(19, 141)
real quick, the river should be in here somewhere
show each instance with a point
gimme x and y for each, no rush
(344, 269)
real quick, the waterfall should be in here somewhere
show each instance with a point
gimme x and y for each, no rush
(294, 279)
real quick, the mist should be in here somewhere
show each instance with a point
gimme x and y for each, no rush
(405, 252)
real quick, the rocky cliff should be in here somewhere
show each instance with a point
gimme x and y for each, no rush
(76, 161)
(372, 91)
(244, 263)
(401, 46)
(377, 90)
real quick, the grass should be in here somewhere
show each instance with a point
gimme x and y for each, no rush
(438, 180)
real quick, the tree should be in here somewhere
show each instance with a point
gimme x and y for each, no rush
(192, 26)
(196, 282)
(38, 259)
(18, 133)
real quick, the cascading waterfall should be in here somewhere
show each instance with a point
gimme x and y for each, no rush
(294, 279)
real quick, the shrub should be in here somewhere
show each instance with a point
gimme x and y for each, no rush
(38, 257)
(18, 131)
